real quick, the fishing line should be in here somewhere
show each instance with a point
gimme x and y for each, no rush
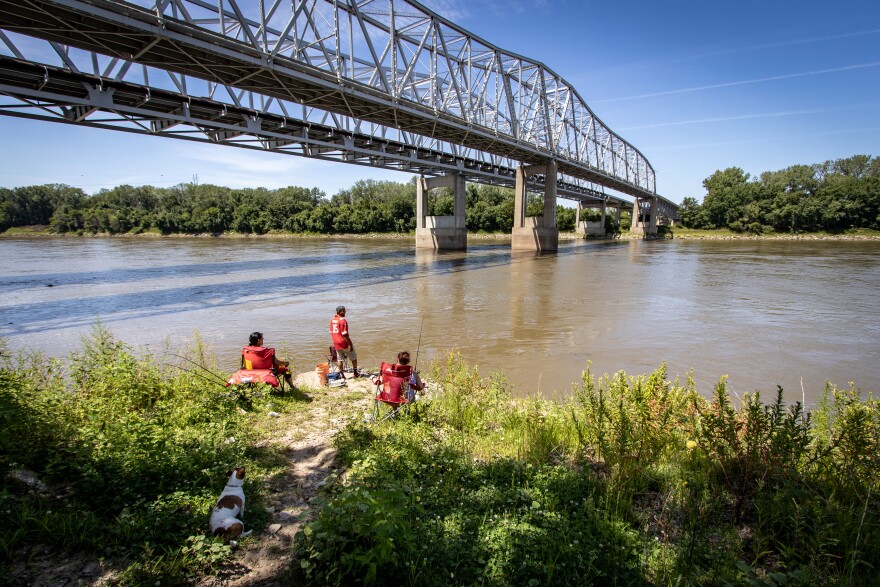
(200, 366)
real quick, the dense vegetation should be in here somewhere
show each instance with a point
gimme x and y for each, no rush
(127, 457)
(369, 206)
(633, 481)
(833, 196)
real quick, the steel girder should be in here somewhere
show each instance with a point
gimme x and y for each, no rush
(666, 212)
(390, 70)
(56, 94)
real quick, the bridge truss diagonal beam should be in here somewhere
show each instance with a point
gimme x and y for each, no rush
(69, 95)
(390, 62)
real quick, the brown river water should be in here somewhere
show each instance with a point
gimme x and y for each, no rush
(766, 313)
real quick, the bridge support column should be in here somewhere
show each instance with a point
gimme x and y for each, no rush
(644, 217)
(597, 228)
(441, 232)
(531, 233)
(578, 227)
(655, 215)
(591, 228)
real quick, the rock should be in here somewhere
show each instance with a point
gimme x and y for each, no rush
(274, 528)
(285, 516)
(29, 479)
(270, 509)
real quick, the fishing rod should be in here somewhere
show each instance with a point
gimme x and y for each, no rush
(198, 375)
(200, 366)
(419, 347)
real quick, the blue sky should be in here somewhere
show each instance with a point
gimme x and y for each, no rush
(696, 86)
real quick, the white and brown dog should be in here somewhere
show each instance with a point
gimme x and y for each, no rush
(224, 517)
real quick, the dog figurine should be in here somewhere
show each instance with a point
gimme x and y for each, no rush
(230, 506)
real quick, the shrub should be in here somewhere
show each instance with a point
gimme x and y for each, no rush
(132, 454)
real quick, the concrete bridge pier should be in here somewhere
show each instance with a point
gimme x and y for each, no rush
(644, 216)
(588, 228)
(535, 233)
(441, 232)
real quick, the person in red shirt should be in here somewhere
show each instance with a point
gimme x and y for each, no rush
(281, 367)
(342, 341)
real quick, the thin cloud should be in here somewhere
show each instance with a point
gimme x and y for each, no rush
(740, 83)
(732, 118)
(767, 139)
(454, 10)
(778, 44)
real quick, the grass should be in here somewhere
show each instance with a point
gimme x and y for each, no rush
(37, 229)
(634, 481)
(723, 233)
(130, 456)
(631, 481)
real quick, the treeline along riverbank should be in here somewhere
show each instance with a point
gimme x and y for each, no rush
(368, 207)
(834, 196)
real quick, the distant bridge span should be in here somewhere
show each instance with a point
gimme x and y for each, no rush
(385, 83)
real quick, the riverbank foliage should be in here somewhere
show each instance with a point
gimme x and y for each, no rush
(834, 196)
(837, 196)
(121, 458)
(632, 481)
(367, 207)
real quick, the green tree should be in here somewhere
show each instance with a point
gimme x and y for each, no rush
(565, 218)
(692, 214)
(726, 195)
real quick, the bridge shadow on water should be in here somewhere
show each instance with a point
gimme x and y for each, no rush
(311, 275)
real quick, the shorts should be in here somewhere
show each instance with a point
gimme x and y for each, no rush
(346, 354)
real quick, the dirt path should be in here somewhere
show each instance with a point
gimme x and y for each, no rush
(306, 441)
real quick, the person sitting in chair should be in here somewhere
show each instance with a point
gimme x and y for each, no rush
(414, 381)
(256, 345)
(398, 383)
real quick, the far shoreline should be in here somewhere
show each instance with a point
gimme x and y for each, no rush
(682, 234)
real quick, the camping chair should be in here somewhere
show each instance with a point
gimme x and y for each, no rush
(258, 366)
(394, 390)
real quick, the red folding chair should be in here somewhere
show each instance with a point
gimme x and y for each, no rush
(258, 366)
(394, 389)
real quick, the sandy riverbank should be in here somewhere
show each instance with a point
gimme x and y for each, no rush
(44, 232)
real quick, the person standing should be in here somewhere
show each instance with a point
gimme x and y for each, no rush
(342, 341)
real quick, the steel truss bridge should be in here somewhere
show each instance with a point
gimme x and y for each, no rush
(381, 83)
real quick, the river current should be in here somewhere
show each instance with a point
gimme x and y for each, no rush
(791, 313)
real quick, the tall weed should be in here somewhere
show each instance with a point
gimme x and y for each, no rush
(626, 426)
(636, 480)
(131, 452)
(757, 445)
